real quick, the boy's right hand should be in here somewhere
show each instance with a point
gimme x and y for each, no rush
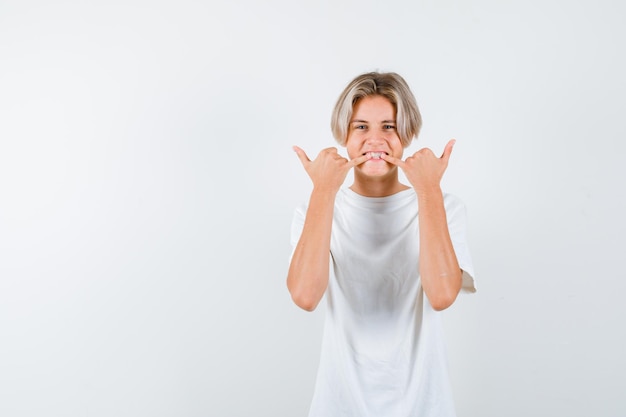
(329, 170)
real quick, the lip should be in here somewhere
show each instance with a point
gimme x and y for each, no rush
(375, 154)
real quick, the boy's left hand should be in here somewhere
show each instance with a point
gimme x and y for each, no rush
(423, 169)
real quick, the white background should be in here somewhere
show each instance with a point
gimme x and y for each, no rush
(147, 185)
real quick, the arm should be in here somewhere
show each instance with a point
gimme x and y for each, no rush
(307, 278)
(439, 269)
(308, 271)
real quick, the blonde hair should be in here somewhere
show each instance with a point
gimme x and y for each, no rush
(386, 84)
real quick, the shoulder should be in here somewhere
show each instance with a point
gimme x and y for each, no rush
(452, 200)
(300, 210)
(454, 206)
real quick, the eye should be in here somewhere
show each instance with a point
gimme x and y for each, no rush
(361, 127)
(389, 127)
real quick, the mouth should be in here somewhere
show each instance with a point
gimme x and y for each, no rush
(375, 154)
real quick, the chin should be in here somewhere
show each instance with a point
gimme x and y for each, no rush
(376, 171)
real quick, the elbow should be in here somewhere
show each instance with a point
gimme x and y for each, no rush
(305, 302)
(306, 292)
(305, 298)
(443, 302)
(307, 305)
(443, 299)
(443, 296)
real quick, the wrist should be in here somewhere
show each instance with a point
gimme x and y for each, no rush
(324, 191)
(429, 193)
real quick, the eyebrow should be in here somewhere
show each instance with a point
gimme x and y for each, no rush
(365, 121)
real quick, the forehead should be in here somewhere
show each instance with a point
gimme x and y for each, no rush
(375, 108)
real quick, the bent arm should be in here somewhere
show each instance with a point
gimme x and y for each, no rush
(307, 278)
(439, 268)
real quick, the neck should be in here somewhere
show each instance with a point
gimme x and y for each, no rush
(377, 187)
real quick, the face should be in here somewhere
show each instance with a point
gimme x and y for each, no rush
(373, 129)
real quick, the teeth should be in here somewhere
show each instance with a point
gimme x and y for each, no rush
(375, 155)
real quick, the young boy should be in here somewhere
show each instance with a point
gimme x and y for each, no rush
(387, 256)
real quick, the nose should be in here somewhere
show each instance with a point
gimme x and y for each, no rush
(376, 138)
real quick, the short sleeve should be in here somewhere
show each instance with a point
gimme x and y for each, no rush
(297, 224)
(457, 226)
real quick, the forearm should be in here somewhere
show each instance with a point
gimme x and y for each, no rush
(307, 279)
(439, 269)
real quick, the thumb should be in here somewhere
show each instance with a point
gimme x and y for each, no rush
(448, 150)
(301, 155)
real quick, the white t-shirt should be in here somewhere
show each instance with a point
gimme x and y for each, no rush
(383, 352)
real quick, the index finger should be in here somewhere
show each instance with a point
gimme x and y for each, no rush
(391, 159)
(358, 161)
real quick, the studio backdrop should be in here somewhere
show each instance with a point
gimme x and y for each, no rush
(148, 183)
